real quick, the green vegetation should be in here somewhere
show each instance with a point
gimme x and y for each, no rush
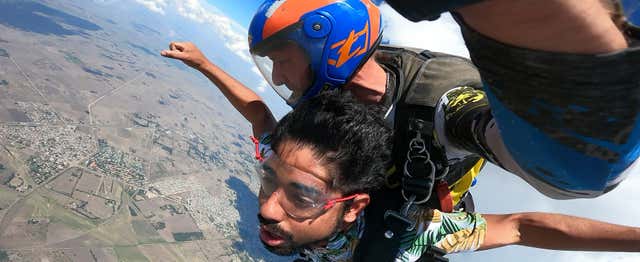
(4, 256)
(117, 230)
(127, 254)
(159, 225)
(131, 191)
(132, 212)
(160, 169)
(96, 72)
(145, 232)
(7, 197)
(44, 207)
(71, 58)
(188, 236)
(4, 53)
(4, 82)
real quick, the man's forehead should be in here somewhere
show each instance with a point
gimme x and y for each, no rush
(286, 49)
(303, 161)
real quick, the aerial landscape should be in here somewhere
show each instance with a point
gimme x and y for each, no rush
(110, 152)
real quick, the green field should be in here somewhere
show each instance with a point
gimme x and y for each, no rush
(129, 254)
(71, 58)
(145, 233)
(7, 196)
(188, 236)
(44, 207)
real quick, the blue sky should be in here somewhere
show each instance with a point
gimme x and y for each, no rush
(496, 191)
(632, 10)
(240, 10)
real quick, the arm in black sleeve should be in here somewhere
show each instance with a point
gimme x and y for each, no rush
(467, 116)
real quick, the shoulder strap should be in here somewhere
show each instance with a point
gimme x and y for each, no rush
(421, 161)
(423, 78)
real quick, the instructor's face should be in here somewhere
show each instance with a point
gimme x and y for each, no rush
(291, 68)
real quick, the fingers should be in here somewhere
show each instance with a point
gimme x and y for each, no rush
(180, 46)
(185, 51)
(175, 50)
(170, 54)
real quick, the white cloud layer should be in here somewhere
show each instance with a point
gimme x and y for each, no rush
(233, 35)
(442, 35)
(234, 40)
(157, 6)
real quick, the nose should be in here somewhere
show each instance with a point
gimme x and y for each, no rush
(270, 207)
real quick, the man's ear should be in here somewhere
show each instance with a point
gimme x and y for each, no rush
(357, 205)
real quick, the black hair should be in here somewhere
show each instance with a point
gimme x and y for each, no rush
(351, 137)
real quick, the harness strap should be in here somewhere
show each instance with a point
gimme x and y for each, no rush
(433, 254)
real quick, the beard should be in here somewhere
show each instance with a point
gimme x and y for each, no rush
(290, 247)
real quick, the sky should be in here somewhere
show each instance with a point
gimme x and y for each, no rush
(241, 10)
(496, 191)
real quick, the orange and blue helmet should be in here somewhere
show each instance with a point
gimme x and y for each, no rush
(335, 38)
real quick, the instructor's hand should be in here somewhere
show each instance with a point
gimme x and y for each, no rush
(186, 52)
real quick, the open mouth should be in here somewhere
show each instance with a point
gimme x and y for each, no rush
(270, 238)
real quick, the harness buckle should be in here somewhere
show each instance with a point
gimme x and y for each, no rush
(399, 222)
(418, 162)
(419, 171)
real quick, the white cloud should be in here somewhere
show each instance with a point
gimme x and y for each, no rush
(442, 35)
(154, 5)
(235, 36)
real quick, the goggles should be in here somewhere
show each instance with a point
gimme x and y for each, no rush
(300, 194)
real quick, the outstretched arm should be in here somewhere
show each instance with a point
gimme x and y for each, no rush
(560, 232)
(247, 102)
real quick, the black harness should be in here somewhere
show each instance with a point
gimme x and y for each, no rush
(421, 165)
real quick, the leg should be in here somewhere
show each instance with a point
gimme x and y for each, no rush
(570, 26)
(572, 121)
